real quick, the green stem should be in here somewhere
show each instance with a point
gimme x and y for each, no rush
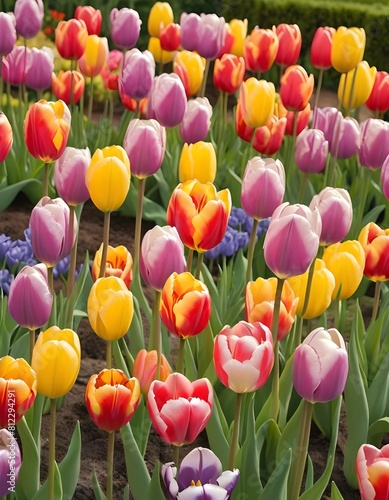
(53, 409)
(189, 260)
(155, 339)
(45, 189)
(50, 280)
(32, 342)
(108, 356)
(1, 82)
(250, 252)
(309, 287)
(138, 222)
(200, 258)
(73, 65)
(298, 331)
(176, 456)
(276, 309)
(275, 403)
(73, 253)
(352, 91)
(110, 455)
(205, 78)
(318, 88)
(365, 179)
(180, 357)
(107, 220)
(90, 102)
(235, 435)
(302, 188)
(376, 304)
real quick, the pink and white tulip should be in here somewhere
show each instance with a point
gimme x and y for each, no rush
(69, 175)
(311, 151)
(197, 120)
(167, 102)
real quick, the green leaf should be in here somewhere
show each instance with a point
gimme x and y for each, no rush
(310, 473)
(289, 436)
(217, 430)
(155, 490)
(335, 493)
(277, 485)
(42, 493)
(377, 392)
(9, 193)
(70, 465)
(99, 493)
(29, 473)
(377, 430)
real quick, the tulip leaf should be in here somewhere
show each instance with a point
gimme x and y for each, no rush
(29, 473)
(70, 465)
(217, 430)
(377, 430)
(42, 493)
(126, 493)
(372, 215)
(206, 345)
(155, 490)
(310, 474)
(119, 359)
(34, 418)
(9, 193)
(277, 485)
(135, 333)
(373, 345)
(190, 363)
(99, 494)
(79, 297)
(335, 493)
(20, 348)
(377, 392)
(151, 210)
(289, 436)
(140, 425)
(322, 413)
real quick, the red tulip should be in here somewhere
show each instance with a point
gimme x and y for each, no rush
(321, 48)
(62, 84)
(6, 137)
(379, 96)
(260, 49)
(302, 120)
(92, 18)
(289, 37)
(70, 38)
(169, 37)
(373, 472)
(268, 139)
(228, 73)
(296, 88)
(375, 242)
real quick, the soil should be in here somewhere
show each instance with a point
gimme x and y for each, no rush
(94, 441)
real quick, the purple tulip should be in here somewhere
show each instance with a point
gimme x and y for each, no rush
(374, 146)
(137, 74)
(311, 151)
(200, 477)
(167, 102)
(29, 17)
(161, 244)
(263, 187)
(292, 240)
(336, 211)
(348, 138)
(39, 68)
(10, 462)
(69, 175)
(326, 120)
(30, 299)
(14, 66)
(124, 27)
(197, 120)
(145, 143)
(320, 366)
(190, 26)
(8, 32)
(51, 237)
(385, 178)
(204, 34)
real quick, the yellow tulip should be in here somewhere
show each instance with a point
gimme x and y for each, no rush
(161, 14)
(197, 161)
(108, 178)
(239, 32)
(257, 99)
(359, 84)
(160, 56)
(346, 261)
(110, 308)
(323, 284)
(56, 361)
(348, 47)
(95, 56)
(189, 66)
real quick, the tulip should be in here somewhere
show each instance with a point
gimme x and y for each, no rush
(257, 98)
(263, 187)
(14, 66)
(170, 37)
(111, 399)
(336, 211)
(372, 466)
(374, 146)
(110, 73)
(118, 263)
(17, 386)
(137, 75)
(10, 462)
(228, 73)
(260, 49)
(29, 17)
(292, 239)
(39, 68)
(180, 409)
(69, 175)
(30, 299)
(322, 287)
(296, 88)
(268, 139)
(238, 29)
(167, 102)
(92, 18)
(197, 120)
(185, 305)
(94, 57)
(378, 99)
(311, 151)
(51, 238)
(302, 120)
(348, 47)
(320, 366)
(199, 476)
(189, 66)
(161, 15)
(6, 137)
(205, 34)
(195, 207)
(197, 161)
(110, 308)
(384, 177)
(160, 56)
(289, 37)
(243, 356)
(46, 129)
(327, 120)
(321, 47)
(346, 261)
(63, 83)
(355, 86)
(70, 38)
(56, 361)
(244, 131)
(124, 27)
(347, 138)
(145, 368)
(8, 32)
(259, 304)
(375, 243)
(108, 178)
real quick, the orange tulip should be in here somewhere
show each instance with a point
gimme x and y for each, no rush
(62, 83)
(260, 49)
(70, 38)
(119, 264)
(145, 368)
(296, 88)
(228, 73)
(94, 57)
(375, 242)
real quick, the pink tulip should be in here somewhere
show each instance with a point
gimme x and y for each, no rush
(311, 151)
(124, 27)
(69, 175)
(180, 409)
(137, 74)
(30, 299)
(29, 17)
(39, 68)
(336, 210)
(347, 139)
(14, 66)
(197, 120)
(10, 462)
(320, 366)
(161, 244)
(373, 472)
(243, 356)
(263, 187)
(204, 34)
(8, 32)
(325, 119)
(167, 102)
(374, 146)
(292, 240)
(145, 142)
(385, 178)
(145, 369)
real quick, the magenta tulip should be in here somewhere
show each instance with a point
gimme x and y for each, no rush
(30, 299)
(311, 151)
(325, 119)
(385, 178)
(29, 17)
(124, 27)
(14, 66)
(161, 244)
(167, 102)
(320, 366)
(204, 34)
(8, 32)
(10, 462)
(197, 120)
(372, 467)
(39, 68)
(347, 139)
(336, 211)
(374, 146)
(69, 175)
(243, 356)
(180, 409)
(137, 74)
(145, 142)
(292, 240)
(263, 187)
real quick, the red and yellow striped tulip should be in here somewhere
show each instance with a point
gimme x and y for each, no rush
(119, 264)
(296, 88)
(228, 73)
(260, 49)
(375, 242)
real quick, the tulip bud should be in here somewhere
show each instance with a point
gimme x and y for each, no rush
(29, 17)
(348, 47)
(326, 119)
(204, 34)
(354, 90)
(378, 99)
(372, 466)
(375, 243)
(238, 29)
(70, 38)
(385, 178)
(69, 175)
(257, 98)
(6, 137)
(311, 151)
(321, 46)
(92, 18)
(64, 82)
(8, 32)
(94, 57)
(170, 37)
(197, 120)
(137, 74)
(167, 102)
(118, 263)
(374, 147)
(228, 73)
(39, 68)
(260, 49)
(110, 73)
(145, 369)
(10, 462)
(161, 15)
(289, 37)
(346, 138)
(14, 66)
(124, 27)
(268, 139)
(303, 117)
(197, 161)
(189, 66)
(244, 131)
(296, 88)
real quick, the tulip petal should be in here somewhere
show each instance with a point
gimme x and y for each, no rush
(306, 372)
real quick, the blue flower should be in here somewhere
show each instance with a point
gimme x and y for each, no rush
(6, 278)
(5, 243)
(62, 267)
(19, 251)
